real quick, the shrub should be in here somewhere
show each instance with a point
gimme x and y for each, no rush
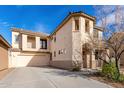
(109, 70)
(77, 68)
(121, 78)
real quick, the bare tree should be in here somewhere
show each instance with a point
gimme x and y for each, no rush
(110, 18)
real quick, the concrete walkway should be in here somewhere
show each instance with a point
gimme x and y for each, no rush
(35, 77)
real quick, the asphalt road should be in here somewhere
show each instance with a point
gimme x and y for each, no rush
(36, 77)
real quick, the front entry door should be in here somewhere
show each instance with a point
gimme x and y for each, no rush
(86, 59)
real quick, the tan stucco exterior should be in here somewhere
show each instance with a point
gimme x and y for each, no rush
(64, 45)
(21, 55)
(72, 40)
(4, 59)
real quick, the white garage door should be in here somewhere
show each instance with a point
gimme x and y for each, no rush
(29, 60)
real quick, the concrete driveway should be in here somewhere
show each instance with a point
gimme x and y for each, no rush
(36, 77)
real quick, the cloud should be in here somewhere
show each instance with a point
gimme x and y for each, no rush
(110, 20)
(4, 24)
(111, 16)
(39, 27)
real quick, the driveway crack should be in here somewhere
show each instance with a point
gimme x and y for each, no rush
(53, 83)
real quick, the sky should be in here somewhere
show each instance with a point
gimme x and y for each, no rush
(40, 18)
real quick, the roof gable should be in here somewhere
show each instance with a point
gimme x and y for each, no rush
(4, 41)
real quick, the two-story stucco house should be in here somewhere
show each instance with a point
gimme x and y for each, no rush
(61, 48)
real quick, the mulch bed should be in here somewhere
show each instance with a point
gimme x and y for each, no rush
(4, 72)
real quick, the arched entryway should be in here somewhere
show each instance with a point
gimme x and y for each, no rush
(87, 56)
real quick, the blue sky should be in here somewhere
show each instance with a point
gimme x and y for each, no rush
(40, 18)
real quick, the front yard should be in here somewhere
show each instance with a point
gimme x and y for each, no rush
(107, 81)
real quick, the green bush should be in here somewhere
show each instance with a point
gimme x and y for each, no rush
(77, 68)
(109, 70)
(121, 78)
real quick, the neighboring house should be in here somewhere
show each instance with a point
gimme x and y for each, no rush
(4, 46)
(60, 49)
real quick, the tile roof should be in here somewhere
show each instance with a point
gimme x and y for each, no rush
(29, 32)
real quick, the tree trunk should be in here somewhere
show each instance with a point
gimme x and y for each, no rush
(118, 71)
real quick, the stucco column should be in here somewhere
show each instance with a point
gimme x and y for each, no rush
(82, 24)
(82, 30)
(93, 62)
(88, 60)
(91, 28)
(24, 42)
(73, 24)
(37, 42)
(48, 44)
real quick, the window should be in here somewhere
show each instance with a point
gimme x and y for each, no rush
(43, 44)
(16, 38)
(86, 26)
(62, 51)
(54, 39)
(96, 55)
(76, 24)
(54, 53)
(31, 42)
(59, 52)
(29, 45)
(95, 34)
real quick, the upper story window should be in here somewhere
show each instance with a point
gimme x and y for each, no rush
(29, 45)
(59, 52)
(87, 26)
(54, 38)
(43, 44)
(96, 55)
(31, 42)
(76, 24)
(16, 39)
(62, 51)
(54, 53)
(95, 34)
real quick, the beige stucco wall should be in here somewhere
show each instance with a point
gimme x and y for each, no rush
(67, 37)
(63, 41)
(76, 41)
(100, 35)
(23, 39)
(3, 56)
(22, 59)
(79, 38)
(32, 56)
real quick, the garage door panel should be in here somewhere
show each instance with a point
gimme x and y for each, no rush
(29, 60)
